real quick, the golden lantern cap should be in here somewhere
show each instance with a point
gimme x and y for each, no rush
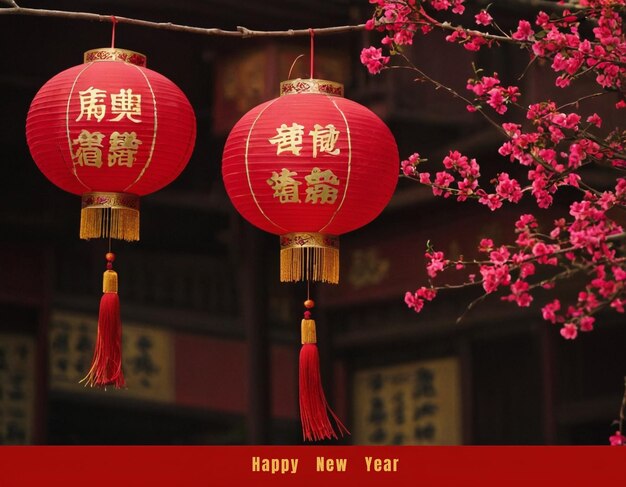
(102, 199)
(115, 54)
(311, 85)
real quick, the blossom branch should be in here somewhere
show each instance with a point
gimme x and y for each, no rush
(471, 306)
(438, 85)
(241, 32)
(582, 98)
(552, 147)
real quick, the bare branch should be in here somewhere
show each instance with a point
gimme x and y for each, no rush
(241, 32)
(410, 65)
(582, 98)
(477, 33)
(471, 306)
(534, 4)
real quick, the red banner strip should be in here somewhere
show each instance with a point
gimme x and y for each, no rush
(312, 465)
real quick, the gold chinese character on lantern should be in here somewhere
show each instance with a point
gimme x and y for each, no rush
(288, 139)
(123, 148)
(126, 104)
(324, 139)
(285, 186)
(321, 186)
(89, 152)
(92, 104)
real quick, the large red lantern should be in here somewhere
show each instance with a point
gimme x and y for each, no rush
(110, 130)
(309, 166)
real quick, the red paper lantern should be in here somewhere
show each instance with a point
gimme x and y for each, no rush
(110, 130)
(310, 166)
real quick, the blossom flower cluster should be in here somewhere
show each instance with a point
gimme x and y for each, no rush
(585, 244)
(556, 38)
(553, 148)
(488, 90)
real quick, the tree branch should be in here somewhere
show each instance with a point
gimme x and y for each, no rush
(534, 4)
(438, 85)
(241, 32)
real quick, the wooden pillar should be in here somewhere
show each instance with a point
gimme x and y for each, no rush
(42, 349)
(253, 305)
(546, 343)
(464, 348)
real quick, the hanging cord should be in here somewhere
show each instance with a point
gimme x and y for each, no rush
(293, 64)
(308, 289)
(312, 32)
(114, 22)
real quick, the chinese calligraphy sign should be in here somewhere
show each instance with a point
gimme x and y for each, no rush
(321, 184)
(124, 104)
(285, 186)
(88, 146)
(289, 139)
(17, 389)
(411, 404)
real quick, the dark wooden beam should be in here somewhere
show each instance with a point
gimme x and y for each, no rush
(253, 303)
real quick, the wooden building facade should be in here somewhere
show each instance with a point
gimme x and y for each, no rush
(211, 338)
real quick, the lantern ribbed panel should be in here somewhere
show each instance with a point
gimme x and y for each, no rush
(366, 165)
(167, 129)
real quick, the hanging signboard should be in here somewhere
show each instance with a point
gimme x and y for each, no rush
(411, 404)
(148, 358)
(17, 389)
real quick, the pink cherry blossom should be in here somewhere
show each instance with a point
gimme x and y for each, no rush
(595, 120)
(492, 201)
(550, 309)
(617, 439)
(413, 302)
(436, 264)
(555, 152)
(373, 59)
(569, 331)
(483, 18)
(524, 31)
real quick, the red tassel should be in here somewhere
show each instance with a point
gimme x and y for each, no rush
(315, 413)
(106, 366)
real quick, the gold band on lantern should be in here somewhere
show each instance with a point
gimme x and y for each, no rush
(307, 332)
(115, 54)
(296, 86)
(309, 256)
(109, 281)
(114, 215)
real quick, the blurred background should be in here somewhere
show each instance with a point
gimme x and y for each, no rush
(211, 338)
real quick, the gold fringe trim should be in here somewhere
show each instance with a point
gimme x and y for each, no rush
(308, 331)
(118, 223)
(109, 282)
(310, 264)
